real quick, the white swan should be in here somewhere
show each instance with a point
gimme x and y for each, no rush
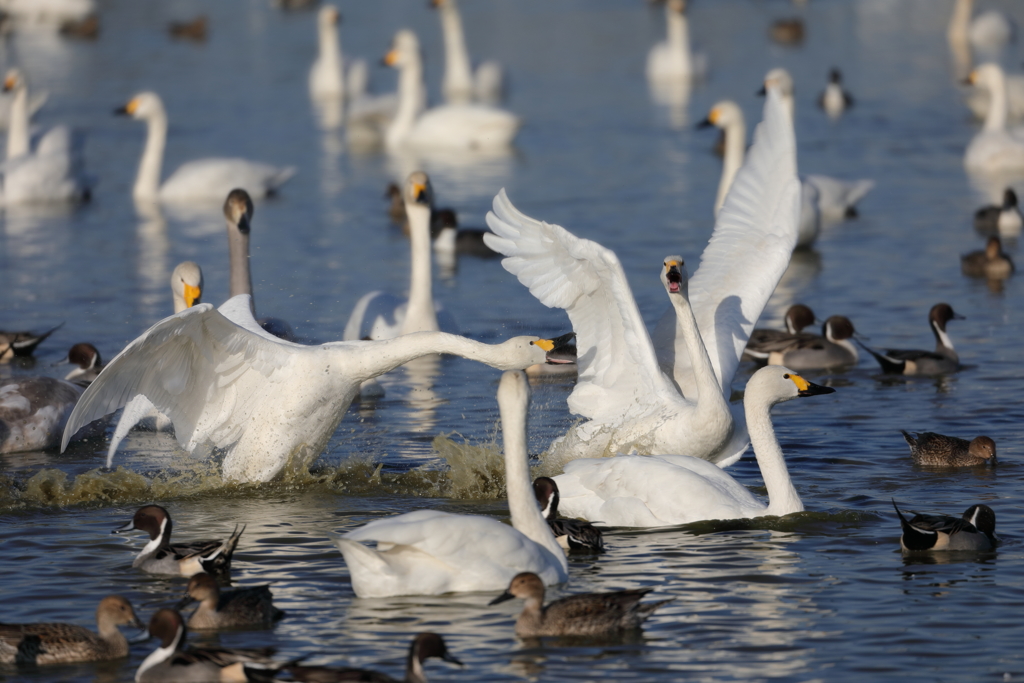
(460, 83)
(671, 59)
(988, 32)
(634, 491)
(994, 149)
(979, 101)
(186, 285)
(429, 552)
(379, 315)
(49, 11)
(452, 126)
(210, 178)
(629, 403)
(327, 75)
(52, 171)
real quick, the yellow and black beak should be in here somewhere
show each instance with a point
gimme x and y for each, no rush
(9, 83)
(192, 295)
(391, 58)
(805, 388)
(420, 194)
(710, 120)
(128, 109)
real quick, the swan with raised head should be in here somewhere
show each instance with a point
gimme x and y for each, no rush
(202, 179)
(635, 491)
(430, 552)
(461, 83)
(327, 75)
(623, 392)
(994, 149)
(671, 59)
(452, 126)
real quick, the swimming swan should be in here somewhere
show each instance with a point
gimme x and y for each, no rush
(429, 552)
(460, 83)
(988, 32)
(452, 126)
(671, 59)
(270, 405)
(635, 491)
(210, 178)
(994, 149)
(623, 390)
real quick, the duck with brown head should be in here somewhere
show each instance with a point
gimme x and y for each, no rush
(942, 361)
(424, 646)
(936, 450)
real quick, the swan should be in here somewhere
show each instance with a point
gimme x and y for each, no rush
(49, 11)
(990, 31)
(210, 178)
(186, 285)
(994, 149)
(269, 404)
(979, 101)
(430, 552)
(452, 126)
(623, 391)
(379, 315)
(671, 59)
(460, 83)
(52, 171)
(327, 75)
(663, 490)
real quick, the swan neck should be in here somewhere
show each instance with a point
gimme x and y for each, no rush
(995, 120)
(419, 314)
(383, 356)
(709, 390)
(147, 181)
(678, 31)
(17, 131)
(410, 86)
(457, 73)
(782, 496)
(179, 302)
(735, 138)
(238, 255)
(330, 54)
(960, 21)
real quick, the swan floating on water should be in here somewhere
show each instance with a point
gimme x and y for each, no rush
(429, 552)
(461, 83)
(671, 59)
(994, 149)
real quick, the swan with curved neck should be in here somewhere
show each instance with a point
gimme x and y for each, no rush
(729, 117)
(665, 490)
(994, 149)
(672, 59)
(429, 552)
(460, 83)
(327, 76)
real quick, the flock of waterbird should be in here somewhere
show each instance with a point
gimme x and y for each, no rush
(657, 427)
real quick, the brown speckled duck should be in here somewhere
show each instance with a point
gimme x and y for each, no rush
(240, 608)
(935, 450)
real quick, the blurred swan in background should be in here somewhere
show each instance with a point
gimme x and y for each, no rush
(210, 178)
(461, 83)
(49, 11)
(671, 59)
(988, 32)
(994, 149)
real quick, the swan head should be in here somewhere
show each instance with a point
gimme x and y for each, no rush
(187, 283)
(988, 76)
(526, 585)
(328, 16)
(238, 210)
(13, 80)
(522, 352)
(418, 190)
(776, 384)
(780, 79)
(405, 48)
(674, 276)
(723, 115)
(143, 105)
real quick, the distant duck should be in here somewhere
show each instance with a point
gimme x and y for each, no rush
(672, 59)
(935, 450)
(22, 344)
(424, 646)
(451, 239)
(834, 99)
(787, 31)
(250, 607)
(916, 362)
(160, 556)
(194, 30)
(991, 263)
(86, 29)
(833, 348)
(974, 530)
(587, 614)
(87, 361)
(798, 316)
(571, 534)
(55, 643)
(1005, 220)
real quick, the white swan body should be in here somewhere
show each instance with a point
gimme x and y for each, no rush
(429, 552)
(460, 83)
(671, 59)
(634, 491)
(630, 404)
(988, 32)
(453, 126)
(49, 11)
(327, 75)
(203, 179)
(994, 149)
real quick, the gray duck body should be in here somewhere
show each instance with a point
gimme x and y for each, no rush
(250, 607)
(975, 530)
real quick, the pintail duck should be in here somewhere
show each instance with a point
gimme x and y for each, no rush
(917, 362)
(88, 364)
(935, 450)
(798, 316)
(424, 646)
(194, 30)
(974, 530)
(451, 239)
(159, 556)
(588, 614)
(34, 412)
(1005, 219)
(572, 534)
(173, 663)
(21, 344)
(834, 99)
(813, 352)
(991, 263)
(60, 643)
(240, 608)
(789, 31)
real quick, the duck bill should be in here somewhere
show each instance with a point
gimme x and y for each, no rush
(501, 598)
(130, 526)
(448, 657)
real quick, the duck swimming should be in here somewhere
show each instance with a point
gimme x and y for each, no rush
(571, 534)
(250, 607)
(22, 344)
(916, 362)
(424, 646)
(974, 530)
(834, 99)
(832, 348)
(798, 316)
(935, 450)
(991, 263)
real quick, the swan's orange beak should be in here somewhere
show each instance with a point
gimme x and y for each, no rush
(391, 58)
(192, 295)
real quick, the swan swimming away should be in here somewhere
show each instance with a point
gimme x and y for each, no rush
(671, 59)
(429, 552)
(210, 178)
(625, 388)
(663, 490)
(461, 83)
(994, 149)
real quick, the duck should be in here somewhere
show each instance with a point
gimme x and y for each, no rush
(56, 643)
(171, 662)
(789, 31)
(834, 99)
(160, 556)
(451, 239)
(833, 348)
(194, 30)
(51, 169)
(665, 490)
(202, 179)
(22, 344)
(974, 530)
(988, 32)
(994, 149)
(424, 646)
(669, 394)
(935, 450)
(992, 262)
(87, 361)
(460, 82)
(587, 614)
(798, 317)
(466, 127)
(672, 59)
(430, 552)
(250, 607)
(86, 29)
(571, 534)
(1004, 219)
(916, 362)
(379, 315)
(34, 412)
